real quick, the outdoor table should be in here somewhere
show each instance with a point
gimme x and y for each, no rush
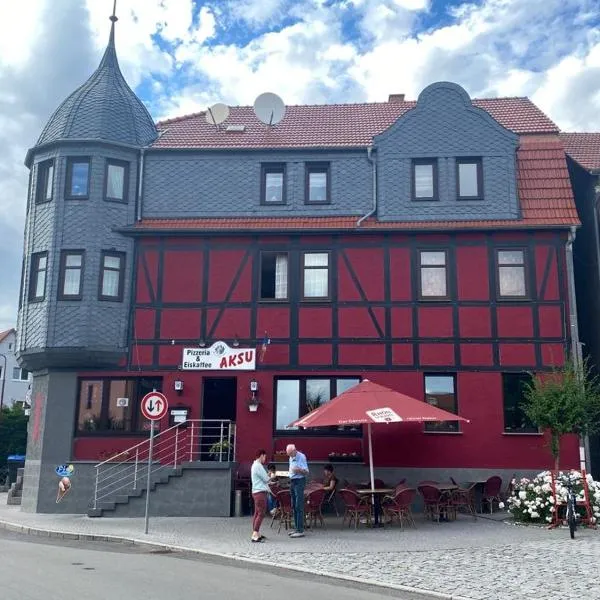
(376, 494)
(446, 489)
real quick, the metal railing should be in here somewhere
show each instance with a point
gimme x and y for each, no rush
(190, 441)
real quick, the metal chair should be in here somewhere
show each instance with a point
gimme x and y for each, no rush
(355, 507)
(399, 506)
(491, 491)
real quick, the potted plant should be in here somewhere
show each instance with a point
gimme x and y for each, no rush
(220, 450)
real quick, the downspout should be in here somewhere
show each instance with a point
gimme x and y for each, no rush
(140, 185)
(374, 170)
(574, 334)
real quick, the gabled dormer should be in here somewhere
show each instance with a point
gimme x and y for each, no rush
(446, 159)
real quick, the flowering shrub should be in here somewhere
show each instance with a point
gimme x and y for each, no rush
(532, 500)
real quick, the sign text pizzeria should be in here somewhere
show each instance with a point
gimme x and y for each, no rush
(219, 357)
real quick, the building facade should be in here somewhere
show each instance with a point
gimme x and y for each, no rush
(14, 381)
(423, 245)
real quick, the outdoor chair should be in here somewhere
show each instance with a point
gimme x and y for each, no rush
(491, 491)
(401, 482)
(399, 506)
(509, 489)
(379, 483)
(464, 498)
(284, 510)
(436, 502)
(313, 507)
(355, 507)
(427, 482)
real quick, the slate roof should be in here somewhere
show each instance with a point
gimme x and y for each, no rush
(584, 148)
(329, 125)
(544, 189)
(103, 108)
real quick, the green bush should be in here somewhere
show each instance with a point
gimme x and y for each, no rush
(13, 433)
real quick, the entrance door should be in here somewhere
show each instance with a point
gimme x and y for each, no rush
(218, 404)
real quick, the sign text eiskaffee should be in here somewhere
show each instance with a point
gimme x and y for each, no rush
(219, 357)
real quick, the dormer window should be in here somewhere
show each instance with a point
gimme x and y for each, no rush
(272, 184)
(469, 178)
(424, 179)
(318, 183)
(116, 181)
(78, 178)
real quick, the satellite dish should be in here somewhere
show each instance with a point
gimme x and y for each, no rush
(269, 108)
(217, 113)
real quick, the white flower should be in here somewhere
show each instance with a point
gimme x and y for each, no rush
(535, 515)
(552, 509)
(522, 495)
(551, 499)
(500, 505)
(549, 519)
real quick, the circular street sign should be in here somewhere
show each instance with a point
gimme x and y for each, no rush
(154, 406)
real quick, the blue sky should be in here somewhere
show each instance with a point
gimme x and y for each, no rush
(183, 55)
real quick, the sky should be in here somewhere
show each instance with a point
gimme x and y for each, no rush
(180, 56)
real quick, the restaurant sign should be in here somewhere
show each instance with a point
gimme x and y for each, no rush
(219, 357)
(384, 415)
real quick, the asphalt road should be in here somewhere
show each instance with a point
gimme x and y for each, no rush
(33, 568)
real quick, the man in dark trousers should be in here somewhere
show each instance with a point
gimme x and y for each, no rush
(298, 472)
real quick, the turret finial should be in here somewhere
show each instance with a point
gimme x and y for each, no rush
(114, 17)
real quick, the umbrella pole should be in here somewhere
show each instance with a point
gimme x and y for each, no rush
(371, 459)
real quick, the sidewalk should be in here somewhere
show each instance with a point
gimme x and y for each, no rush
(481, 560)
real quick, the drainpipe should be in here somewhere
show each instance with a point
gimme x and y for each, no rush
(374, 169)
(584, 443)
(140, 184)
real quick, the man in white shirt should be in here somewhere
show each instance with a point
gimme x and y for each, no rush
(298, 473)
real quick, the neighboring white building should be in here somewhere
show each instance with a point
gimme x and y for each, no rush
(14, 381)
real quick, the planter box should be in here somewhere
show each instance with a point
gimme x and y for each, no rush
(346, 459)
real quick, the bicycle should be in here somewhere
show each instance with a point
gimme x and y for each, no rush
(571, 508)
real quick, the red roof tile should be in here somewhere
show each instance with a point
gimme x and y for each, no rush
(544, 189)
(5, 334)
(584, 148)
(327, 125)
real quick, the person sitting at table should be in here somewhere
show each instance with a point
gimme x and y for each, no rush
(330, 480)
(271, 502)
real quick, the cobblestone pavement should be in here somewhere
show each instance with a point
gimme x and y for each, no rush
(482, 559)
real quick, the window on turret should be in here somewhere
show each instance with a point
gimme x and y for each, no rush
(37, 280)
(71, 275)
(78, 178)
(45, 181)
(112, 273)
(116, 181)
(424, 179)
(469, 178)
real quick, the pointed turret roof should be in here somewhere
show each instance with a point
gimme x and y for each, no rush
(104, 108)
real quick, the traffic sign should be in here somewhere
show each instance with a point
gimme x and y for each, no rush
(154, 406)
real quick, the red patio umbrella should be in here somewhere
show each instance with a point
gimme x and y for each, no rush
(369, 403)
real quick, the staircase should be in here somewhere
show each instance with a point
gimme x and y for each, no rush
(121, 482)
(15, 491)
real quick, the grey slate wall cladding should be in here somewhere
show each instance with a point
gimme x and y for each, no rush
(225, 184)
(78, 225)
(445, 125)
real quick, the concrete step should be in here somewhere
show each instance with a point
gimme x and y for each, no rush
(94, 512)
(13, 500)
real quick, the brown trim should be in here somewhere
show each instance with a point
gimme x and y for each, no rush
(34, 276)
(446, 271)
(43, 169)
(442, 426)
(424, 161)
(126, 166)
(61, 274)
(317, 167)
(303, 270)
(265, 169)
(273, 252)
(122, 257)
(71, 160)
(473, 160)
(524, 264)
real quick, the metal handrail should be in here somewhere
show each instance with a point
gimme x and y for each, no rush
(120, 472)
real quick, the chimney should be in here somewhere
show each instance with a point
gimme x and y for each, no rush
(396, 98)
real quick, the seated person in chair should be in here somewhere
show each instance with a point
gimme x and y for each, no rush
(330, 480)
(271, 502)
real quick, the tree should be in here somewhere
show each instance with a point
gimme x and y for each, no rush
(13, 432)
(564, 401)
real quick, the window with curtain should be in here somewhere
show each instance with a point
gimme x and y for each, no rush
(296, 397)
(315, 275)
(433, 280)
(274, 276)
(45, 181)
(512, 282)
(116, 180)
(424, 179)
(71, 275)
(37, 281)
(469, 178)
(112, 275)
(77, 181)
(440, 391)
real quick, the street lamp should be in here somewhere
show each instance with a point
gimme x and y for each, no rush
(3, 380)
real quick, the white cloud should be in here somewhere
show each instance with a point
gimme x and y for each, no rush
(190, 53)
